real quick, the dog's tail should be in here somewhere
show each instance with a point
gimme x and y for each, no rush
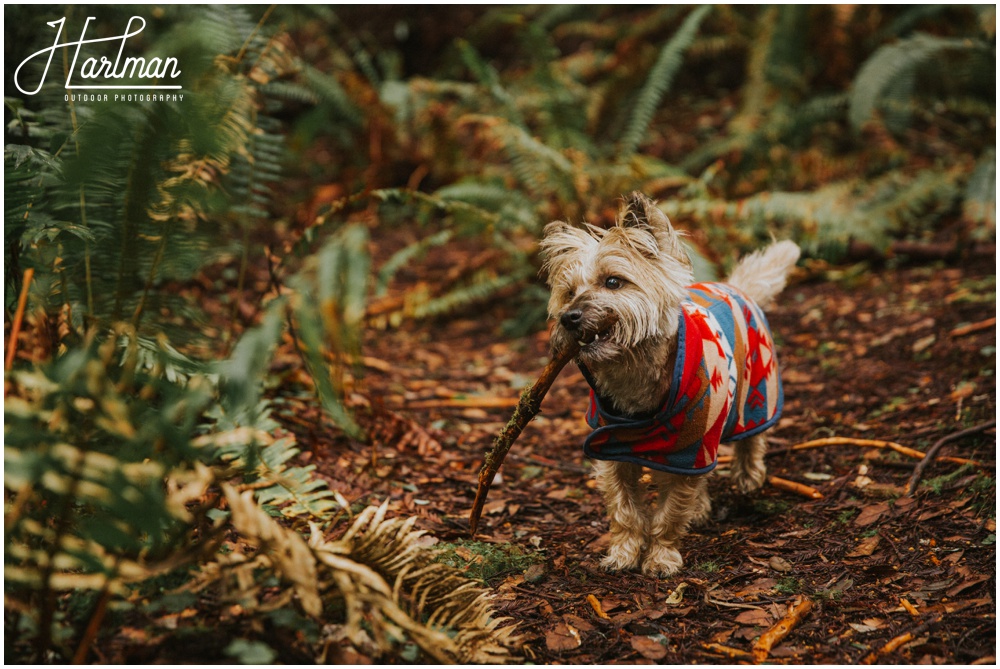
(762, 274)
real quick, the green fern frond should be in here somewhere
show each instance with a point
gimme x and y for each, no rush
(660, 79)
(511, 208)
(540, 169)
(490, 80)
(898, 61)
(867, 211)
(401, 258)
(329, 90)
(331, 294)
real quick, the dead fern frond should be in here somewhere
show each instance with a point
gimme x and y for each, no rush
(389, 583)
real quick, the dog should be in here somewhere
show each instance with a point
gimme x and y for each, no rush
(683, 367)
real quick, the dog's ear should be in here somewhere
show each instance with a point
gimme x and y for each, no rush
(640, 212)
(559, 240)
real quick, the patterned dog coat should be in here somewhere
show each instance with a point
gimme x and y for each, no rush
(725, 386)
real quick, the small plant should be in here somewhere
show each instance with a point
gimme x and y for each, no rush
(984, 495)
(844, 517)
(788, 585)
(708, 566)
(771, 507)
(483, 561)
(939, 483)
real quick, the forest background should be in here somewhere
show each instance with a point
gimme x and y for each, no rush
(257, 339)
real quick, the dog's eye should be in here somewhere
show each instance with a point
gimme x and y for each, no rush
(613, 283)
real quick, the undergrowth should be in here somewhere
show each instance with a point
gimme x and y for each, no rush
(483, 561)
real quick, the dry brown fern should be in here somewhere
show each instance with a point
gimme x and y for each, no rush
(389, 583)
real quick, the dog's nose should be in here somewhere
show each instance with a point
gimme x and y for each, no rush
(571, 319)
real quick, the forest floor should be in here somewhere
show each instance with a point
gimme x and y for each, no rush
(869, 354)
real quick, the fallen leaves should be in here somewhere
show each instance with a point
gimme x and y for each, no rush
(648, 647)
(865, 547)
(871, 514)
(779, 564)
(562, 638)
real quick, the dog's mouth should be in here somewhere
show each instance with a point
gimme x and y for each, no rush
(588, 342)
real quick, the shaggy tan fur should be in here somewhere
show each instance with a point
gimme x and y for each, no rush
(638, 269)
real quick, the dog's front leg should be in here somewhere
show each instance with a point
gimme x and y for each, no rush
(628, 516)
(682, 499)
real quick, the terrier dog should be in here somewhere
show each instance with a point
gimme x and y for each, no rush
(684, 367)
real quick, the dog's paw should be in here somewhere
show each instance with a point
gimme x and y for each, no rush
(749, 479)
(623, 557)
(662, 560)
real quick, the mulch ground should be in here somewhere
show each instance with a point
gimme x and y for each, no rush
(873, 354)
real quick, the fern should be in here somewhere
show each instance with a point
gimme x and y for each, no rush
(488, 78)
(385, 582)
(898, 62)
(660, 79)
(406, 255)
(827, 219)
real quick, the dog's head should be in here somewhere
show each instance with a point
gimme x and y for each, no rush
(636, 270)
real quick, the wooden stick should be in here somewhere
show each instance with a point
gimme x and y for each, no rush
(526, 409)
(762, 648)
(866, 443)
(974, 327)
(598, 609)
(797, 488)
(900, 640)
(932, 451)
(728, 651)
(838, 441)
(15, 328)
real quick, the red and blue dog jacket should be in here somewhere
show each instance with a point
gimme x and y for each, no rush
(725, 386)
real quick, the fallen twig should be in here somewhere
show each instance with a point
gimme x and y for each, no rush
(901, 640)
(731, 653)
(932, 451)
(733, 605)
(796, 612)
(15, 328)
(526, 409)
(974, 327)
(910, 608)
(866, 443)
(797, 488)
(598, 609)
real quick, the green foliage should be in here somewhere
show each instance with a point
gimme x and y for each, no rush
(789, 585)
(771, 507)
(484, 561)
(709, 567)
(660, 79)
(890, 73)
(938, 484)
